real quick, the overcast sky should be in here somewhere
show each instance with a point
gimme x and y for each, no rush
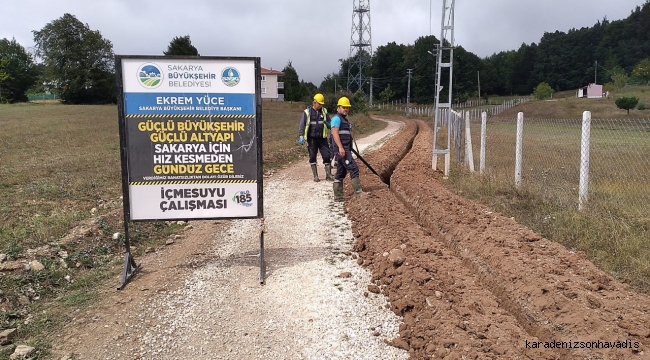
(313, 35)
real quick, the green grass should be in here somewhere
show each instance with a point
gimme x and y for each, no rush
(614, 227)
(57, 163)
(280, 122)
(565, 105)
(619, 172)
(617, 243)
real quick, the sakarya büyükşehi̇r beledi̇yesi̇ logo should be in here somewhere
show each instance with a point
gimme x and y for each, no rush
(230, 76)
(150, 76)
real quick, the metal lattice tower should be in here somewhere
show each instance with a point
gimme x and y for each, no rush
(445, 63)
(360, 45)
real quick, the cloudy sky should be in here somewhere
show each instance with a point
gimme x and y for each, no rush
(313, 35)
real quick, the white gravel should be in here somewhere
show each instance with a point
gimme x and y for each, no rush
(304, 311)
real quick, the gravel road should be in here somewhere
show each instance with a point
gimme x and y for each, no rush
(201, 298)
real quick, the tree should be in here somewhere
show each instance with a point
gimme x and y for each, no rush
(79, 62)
(417, 57)
(292, 88)
(17, 71)
(331, 83)
(386, 95)
(388, 69)
(307, 91)
(641, 71)
(618, 76)
(181, 46)
(3, 77)
(626, 103)
(543, 91)
(466, 68)
(521, 78)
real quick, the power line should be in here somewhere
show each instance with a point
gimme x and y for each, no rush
(408, 91)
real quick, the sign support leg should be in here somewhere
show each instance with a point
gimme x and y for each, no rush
(262, 266)
(130, 267)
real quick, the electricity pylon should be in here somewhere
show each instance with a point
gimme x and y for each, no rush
(360, 45)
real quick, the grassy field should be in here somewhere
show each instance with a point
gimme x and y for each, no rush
(59, 167)
(565, 105)
(614, 228)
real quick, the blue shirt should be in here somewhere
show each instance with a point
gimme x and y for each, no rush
(336, 122)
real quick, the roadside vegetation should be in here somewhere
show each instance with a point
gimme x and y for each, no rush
(60, 179)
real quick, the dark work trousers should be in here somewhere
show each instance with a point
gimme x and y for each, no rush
(333, 149)
(318, 144)
(344, 165)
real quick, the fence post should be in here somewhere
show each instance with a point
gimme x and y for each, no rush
(584, 160)
(519, 149)
(469, 154)
(458, 134)
(483, 141)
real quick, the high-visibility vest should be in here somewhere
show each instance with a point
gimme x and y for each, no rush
(316, 122)
(345, 132)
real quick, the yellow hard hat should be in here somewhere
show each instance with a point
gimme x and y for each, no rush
(343, 101)
(319, 98)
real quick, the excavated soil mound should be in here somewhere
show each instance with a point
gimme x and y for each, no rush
(471, 283)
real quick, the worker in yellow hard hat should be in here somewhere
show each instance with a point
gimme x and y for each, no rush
(342, 137)
(314, 128)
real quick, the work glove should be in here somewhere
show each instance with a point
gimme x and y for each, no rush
(301, 140)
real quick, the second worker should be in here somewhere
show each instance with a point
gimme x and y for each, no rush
(314, 128)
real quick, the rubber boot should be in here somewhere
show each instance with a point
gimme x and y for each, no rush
(328, 172)
(338, 191)
(356, 185)
(315, 171)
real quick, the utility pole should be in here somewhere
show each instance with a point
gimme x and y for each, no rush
(479, 87)
(371, 92)
(443, 110)
(596, 73)
(408, 91)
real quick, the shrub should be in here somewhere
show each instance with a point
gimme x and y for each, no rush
(543, 91)
(359, 103)
(626, 103)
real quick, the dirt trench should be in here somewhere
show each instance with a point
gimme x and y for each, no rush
(471, 283)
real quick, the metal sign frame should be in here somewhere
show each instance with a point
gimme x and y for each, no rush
(180, 118)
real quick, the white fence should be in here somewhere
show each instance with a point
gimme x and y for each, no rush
(473, 107)
(579, 163)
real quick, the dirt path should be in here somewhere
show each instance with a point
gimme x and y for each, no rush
(440, 277)
(200, 298)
